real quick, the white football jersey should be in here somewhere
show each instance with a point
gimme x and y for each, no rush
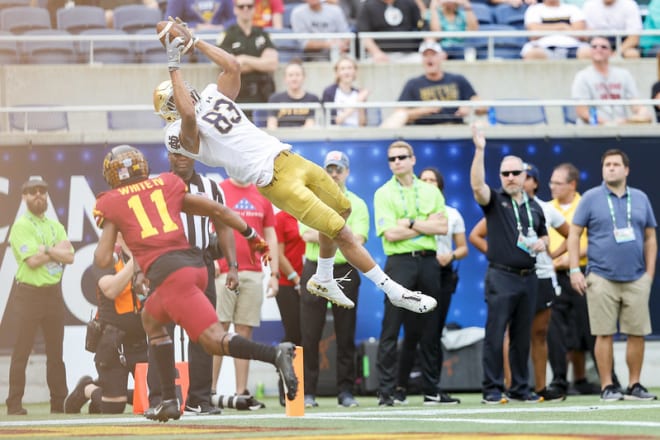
(228, 139)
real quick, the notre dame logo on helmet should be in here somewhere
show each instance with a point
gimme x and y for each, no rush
(173, 143)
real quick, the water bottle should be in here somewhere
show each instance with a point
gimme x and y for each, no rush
(491, 116)
(593, 116)
(259, 393)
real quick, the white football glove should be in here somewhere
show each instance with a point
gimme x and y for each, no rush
(174, 50)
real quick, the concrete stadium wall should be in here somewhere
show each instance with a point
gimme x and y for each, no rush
(78, 84)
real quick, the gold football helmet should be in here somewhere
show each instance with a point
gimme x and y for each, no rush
(164, 101)
(124, 164)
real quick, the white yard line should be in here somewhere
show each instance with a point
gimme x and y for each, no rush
(435, 415)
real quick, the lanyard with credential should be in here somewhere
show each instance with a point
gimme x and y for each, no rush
(41, 233)
(628, 208)
(403, 198)
(517, 214)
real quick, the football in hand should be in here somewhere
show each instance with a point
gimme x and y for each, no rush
(175, 30)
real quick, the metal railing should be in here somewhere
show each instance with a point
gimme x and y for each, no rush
(354, 38)
(323, 111)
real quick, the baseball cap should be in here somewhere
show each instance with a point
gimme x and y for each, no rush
(34, 182)
(430, 45)
(532, 171)
(336, 158)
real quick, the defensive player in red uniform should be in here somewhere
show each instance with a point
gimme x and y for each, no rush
(147, 213)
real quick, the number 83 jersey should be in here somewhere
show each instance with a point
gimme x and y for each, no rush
(148, 214)
(228, 139)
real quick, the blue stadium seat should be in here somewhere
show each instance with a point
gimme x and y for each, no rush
(8, 51)
(21, 19)
(287, 48)
(38, 121)
(523, 115)
(107, 51)
(570, 116)
(134, 120)
(149, 51)
(259, 118)
(507, 14)
(14, 3)
(48, 51)
(484, 13)
(79, 18)
(131, 18)
(503, 47)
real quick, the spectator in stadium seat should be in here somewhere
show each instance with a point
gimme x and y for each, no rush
(389, 16)
(554, 15)
(451, 16)
(434, 85)
(211, 15)
(316, 16)
(603, 81)
(294, 79)
(616, 15)
(255, 52)
(344, 91)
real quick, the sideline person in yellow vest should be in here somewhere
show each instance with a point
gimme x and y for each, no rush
(41, 249)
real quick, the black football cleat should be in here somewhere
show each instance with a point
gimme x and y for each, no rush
(167, 409)
(284, 364)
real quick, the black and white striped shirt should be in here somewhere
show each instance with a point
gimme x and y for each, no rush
(197, 227)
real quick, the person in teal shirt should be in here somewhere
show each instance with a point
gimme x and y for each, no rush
(41, 249)
(314, 308)
(409, 213)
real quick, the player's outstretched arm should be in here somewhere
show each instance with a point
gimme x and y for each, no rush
(229, 79)
(103, 255)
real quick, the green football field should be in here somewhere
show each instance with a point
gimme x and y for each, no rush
(579, 417)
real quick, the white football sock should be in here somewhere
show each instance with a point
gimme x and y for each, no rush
(325, 269)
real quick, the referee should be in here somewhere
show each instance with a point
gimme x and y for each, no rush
(197, 229)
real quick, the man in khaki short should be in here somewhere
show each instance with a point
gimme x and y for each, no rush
(621, 253)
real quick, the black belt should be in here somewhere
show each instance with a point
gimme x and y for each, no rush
(420, 253)
(516, 270)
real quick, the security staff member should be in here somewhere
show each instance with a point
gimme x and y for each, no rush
(516, 233)
(41, 249)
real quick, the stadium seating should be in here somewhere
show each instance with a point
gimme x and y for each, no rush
(507, 14)
(149, 51)
(8, 51)
(21, 19)
(131, 18)
(523, 115)
(38, 121)
(570, 116)
(79, 18)
(107, 51)
(287, 48)
(484, 13)
(134, 120)
(47, 50)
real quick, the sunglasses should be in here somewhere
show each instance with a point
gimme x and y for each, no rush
(600, 46)
(509, 173)
(34, 191)
(401, 157)
(246, 6)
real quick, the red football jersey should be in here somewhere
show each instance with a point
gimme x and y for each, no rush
(148, 214)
